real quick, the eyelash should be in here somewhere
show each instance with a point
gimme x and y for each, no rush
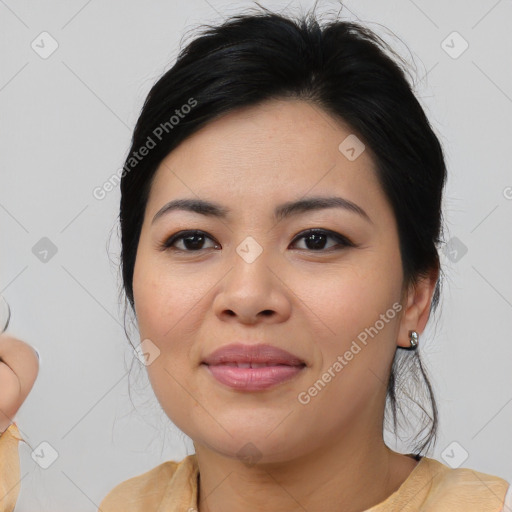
(343, 241)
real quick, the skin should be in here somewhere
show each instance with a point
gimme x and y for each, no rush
(329, 454)
(19, 367)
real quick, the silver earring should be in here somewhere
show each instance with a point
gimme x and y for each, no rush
(413, 338)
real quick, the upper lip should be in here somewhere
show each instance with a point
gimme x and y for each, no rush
(258, 354)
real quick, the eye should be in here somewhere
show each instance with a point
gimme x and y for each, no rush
(315, 239)
(192, 240)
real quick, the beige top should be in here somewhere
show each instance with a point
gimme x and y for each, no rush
(172, 487)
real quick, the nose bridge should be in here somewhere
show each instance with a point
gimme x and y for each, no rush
(248, 288)
(251, 262)
(250, 250)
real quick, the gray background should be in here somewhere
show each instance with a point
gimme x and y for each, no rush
(65, 128)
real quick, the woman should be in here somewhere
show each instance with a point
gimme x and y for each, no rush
(280, 217)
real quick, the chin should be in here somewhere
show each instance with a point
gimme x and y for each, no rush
(253, 445)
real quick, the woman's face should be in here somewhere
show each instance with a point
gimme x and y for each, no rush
(252, 278)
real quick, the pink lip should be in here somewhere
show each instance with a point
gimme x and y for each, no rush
(279, 366)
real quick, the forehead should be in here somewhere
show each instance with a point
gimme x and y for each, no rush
(272, 152)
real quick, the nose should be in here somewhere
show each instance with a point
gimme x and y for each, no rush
(253, 292)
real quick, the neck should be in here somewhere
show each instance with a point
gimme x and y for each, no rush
(352, 474)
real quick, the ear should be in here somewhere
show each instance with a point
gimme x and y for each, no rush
(417, 307)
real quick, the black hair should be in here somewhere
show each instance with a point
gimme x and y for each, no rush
(345, 69)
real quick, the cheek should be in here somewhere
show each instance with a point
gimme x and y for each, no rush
(350, 299)
(174, 392)
(165, 299)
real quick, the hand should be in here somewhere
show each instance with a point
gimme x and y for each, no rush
(19, 366)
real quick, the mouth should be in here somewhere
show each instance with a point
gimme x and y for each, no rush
(252, 367)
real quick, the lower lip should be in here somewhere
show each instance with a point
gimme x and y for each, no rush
(253, 379)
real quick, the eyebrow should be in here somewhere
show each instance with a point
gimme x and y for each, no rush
(282, 211)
